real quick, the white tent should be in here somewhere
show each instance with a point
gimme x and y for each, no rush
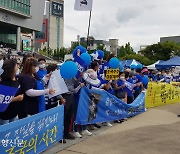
(152, 66)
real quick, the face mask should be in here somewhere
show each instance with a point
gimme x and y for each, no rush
(42, 66)
(145, 73)
(122, 77)
(18, 72)
(37, 69)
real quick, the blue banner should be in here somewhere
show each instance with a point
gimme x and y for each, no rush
(100, 106)
(33, 134)
(80, 64)
(6, 95)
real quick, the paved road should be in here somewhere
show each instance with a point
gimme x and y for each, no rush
(156, 131)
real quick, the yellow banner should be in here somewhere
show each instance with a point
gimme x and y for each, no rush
(112, 74)
(162, 93)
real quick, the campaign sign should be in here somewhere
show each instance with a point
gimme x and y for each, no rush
(33, 134)
(6, 95)
(112, 74)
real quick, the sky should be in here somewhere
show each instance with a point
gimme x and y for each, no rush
(139, 22)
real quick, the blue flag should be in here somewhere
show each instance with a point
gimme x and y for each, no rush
(80, 64)
(129, 85)
(103, 67)
(100, 106)
(33, 134)
(6, 95)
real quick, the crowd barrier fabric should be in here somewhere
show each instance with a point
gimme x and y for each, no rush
(33, 134)
(161, 93)
(100, 106)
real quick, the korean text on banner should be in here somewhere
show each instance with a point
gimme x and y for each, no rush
(33, 134)
(161, 93)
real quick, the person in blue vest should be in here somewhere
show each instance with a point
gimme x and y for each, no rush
(139, 85)
(42, 68)
(28, 82)
(119, 87)
(154, 76)
(144, 73)
(162, 75)
(128, 77)
(167, 77)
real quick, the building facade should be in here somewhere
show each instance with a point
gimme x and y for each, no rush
(24, 26)
(19, 20)
(52, 34)
(114, 46)
(111, 45)
(175, 39)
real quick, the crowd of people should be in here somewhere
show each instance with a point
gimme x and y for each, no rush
(31, 71)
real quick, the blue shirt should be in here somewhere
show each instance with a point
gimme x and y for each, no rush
(154, 78)
(134, 78)
(120, 83)
(42, 73)
(139, 79)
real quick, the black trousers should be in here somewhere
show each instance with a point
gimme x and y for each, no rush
(130, 99)
(137, 92)
(68, 111)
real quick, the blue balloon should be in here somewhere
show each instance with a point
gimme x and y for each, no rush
(86, 58)
(68, 70)
(100, 54)
(114, 63)
(139, 66)
(145, 80)
(133, 66)
(81, 48)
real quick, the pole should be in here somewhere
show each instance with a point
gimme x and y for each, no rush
(48, 27)
(88, 29)
(58, 32)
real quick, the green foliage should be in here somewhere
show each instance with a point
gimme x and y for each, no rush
(46, 52)
(57, 54)
(140, 58)
(60, 53)
(161, 51)
(125, 50)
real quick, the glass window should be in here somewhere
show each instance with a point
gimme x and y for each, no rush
(3, 2)
(22, 6)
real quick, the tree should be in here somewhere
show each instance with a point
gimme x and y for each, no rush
(161, 51)
(60, 53)
(140, 58)
(125, 50)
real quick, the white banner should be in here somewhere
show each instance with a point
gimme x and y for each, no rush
(83, 5)
(57, 83)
